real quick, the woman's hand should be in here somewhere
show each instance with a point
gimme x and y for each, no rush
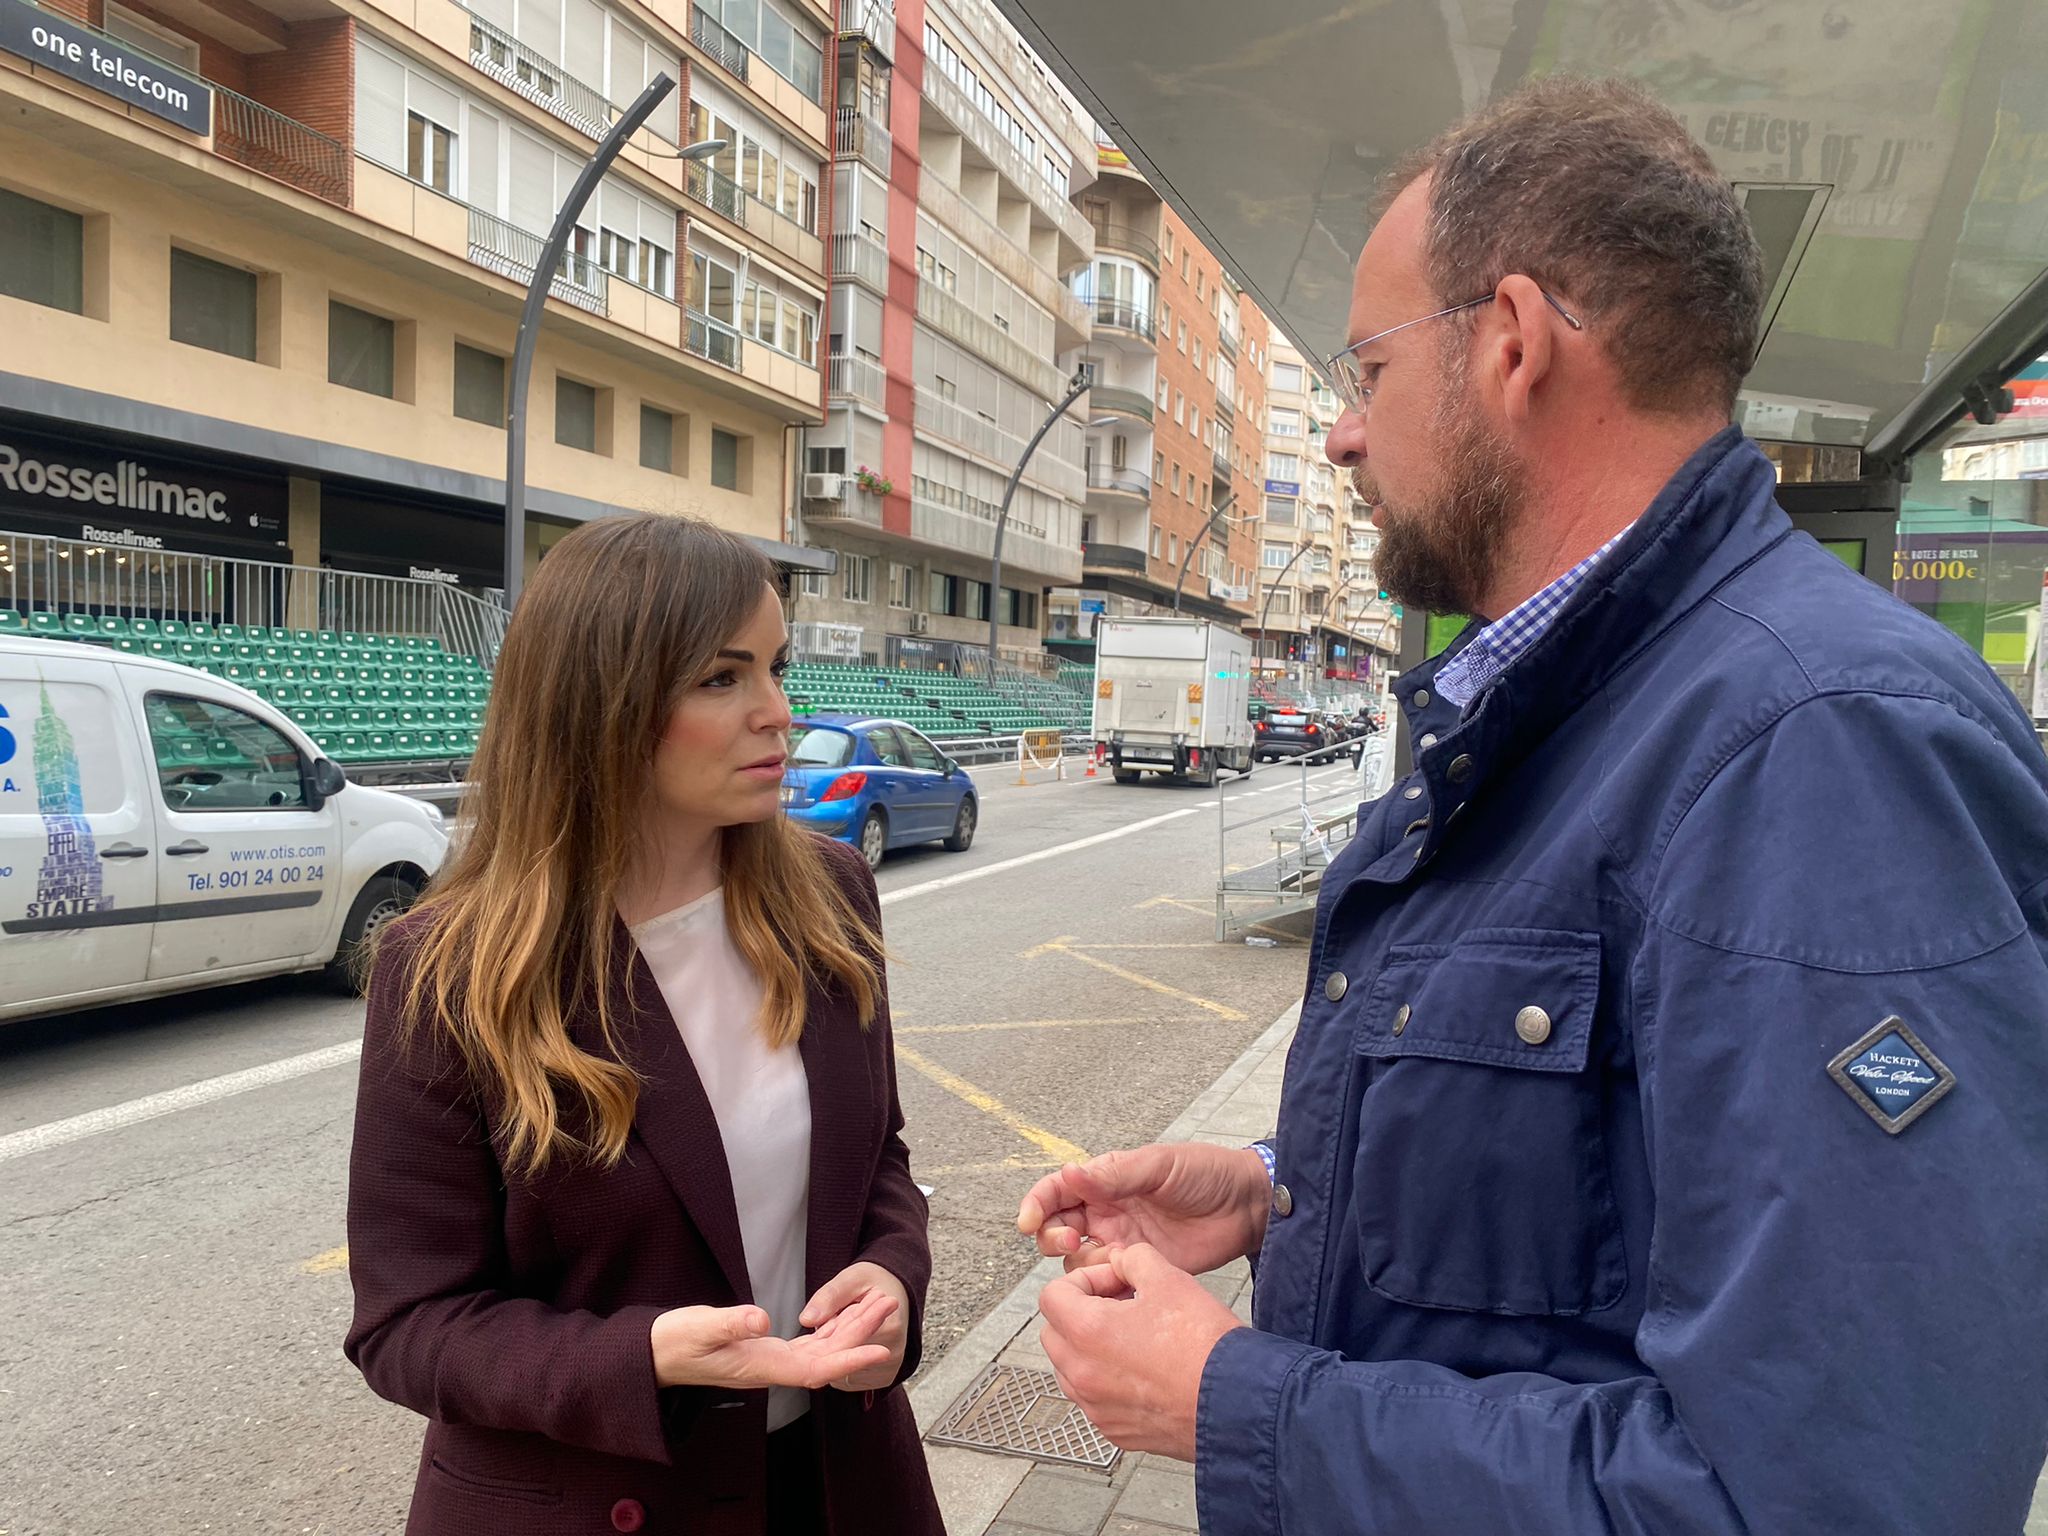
(732, 1346)
(844, 1296)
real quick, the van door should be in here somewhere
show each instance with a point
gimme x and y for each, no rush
(250, 871)
(77, 838)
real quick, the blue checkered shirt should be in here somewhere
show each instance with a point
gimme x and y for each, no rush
(1498, 646)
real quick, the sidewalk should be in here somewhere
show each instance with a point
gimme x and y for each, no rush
(992, 1494)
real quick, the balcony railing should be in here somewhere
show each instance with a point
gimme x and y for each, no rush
(1000, 251)
(866, 137)
(540, 80)
(1112, 557)
(855, 378)
(1003, 45)
(510, 251)
(1226, 411)
(1056, 464)
(1126, 241)
(716, 191)
(1115, 315)
(853, 505)
(873, 20)
(282, 148)
(988, 140)
(862, 259)
(1124, 482)
(1227, 340)
(1220, 456)
(941, 309)
(1128, 402)
(713, 340)
(723, 47)
(969, 531)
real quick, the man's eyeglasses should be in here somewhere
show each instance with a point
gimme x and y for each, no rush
(1347, 374)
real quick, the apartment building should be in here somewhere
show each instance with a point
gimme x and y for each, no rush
(1171, 455)
(272, 253)
(952, 339)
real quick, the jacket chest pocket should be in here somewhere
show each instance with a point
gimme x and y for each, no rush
(1482, 1182)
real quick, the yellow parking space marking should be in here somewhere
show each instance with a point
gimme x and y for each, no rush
(982, 1029)
(1007, 1165)
(1175, 901)
(1064, 945)
(1293, 940)
(326, 1263)
(1057, 1147)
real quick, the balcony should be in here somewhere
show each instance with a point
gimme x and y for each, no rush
(1122, 240)
(1056, 465)
(855, 378)
(1001, 252)
(1115, 315)
(541, 81)
(1000, 42)
(874, 24)
(1226, 411)
(1228, 341)
(718, 192)
(974, 126)
(1113, 557)
(863, 260)
(968, 531)
(866, 137)
(725, 49)
(713, 340)
(510, 251)
(1219, 454)
(943, 311)
(853, 505)
(1106, 482)
(280, 147)
(1124, 402)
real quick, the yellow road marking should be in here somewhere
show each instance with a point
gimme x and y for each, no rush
(1052, 1146)
(1007, 1165)
(1188, 906)
(326, 1263)
(979, 1029)
(1072, 948)
(1175, 901)
(1062, 946)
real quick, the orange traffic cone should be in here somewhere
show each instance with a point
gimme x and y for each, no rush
(1094, 758)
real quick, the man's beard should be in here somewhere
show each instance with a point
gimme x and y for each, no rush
(1441, 552)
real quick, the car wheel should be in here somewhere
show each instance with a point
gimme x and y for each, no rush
(874, 838)
(963, 828)
(381, 901)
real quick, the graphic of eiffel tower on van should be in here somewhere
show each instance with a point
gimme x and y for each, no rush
(71, 881)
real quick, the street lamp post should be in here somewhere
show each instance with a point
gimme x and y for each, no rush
(1274, 585)
(536, 301)
(1208, 527)
(1080, 383)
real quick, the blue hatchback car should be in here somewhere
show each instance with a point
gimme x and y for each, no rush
(877, 784)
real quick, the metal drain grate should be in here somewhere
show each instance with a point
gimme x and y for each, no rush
(1023, 1413)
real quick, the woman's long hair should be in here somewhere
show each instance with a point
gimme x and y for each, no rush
(621, 619)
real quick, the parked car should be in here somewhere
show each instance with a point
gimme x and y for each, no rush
(877, 784)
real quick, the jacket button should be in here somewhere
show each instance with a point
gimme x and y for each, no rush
(1335, 988)
(1283, 1201)
(1533, 1025)
(1460, 769)
(1426, 740)
(628, 1515)
(1401, 1017)
(1412, 792)
(1421, 700)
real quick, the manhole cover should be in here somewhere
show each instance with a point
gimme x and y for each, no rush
(1023, 1413)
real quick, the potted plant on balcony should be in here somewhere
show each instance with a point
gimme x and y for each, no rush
(871, 482)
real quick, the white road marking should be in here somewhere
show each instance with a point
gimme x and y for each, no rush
(1001, 866)
(57, 1133)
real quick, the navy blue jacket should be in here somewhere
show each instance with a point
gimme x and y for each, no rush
(1585, 1235)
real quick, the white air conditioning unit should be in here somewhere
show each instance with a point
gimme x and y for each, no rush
(920, 623)
(824, 487)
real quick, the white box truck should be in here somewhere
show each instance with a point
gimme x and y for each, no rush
(1172, 696)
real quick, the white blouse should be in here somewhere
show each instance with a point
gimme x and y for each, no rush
(760, 1097)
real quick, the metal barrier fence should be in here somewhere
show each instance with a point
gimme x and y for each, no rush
(41, 574)
(1305, 840)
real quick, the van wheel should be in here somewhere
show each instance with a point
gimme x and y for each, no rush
(383, 899)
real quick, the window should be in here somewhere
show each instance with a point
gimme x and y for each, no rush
(213, 305)
(657, 439)
(857, 578)
(1275, 556)
(1195, 420)
(901, 578)
(725, 460)
(479, 385)
(42, 253)
(362, 350)
(429, 153)
(889, 747)
(151, 38)
(944, 594)
(210, 757)
(827, 461)
(1180, 409)
(1284, 466)
(977, 600)
(1155, 543)
(1287, 378)
(813, 584)
(923, 755)
(1164, 390)
(1181, 336)
(1284, 423)
(575, 414)
(1281, 509)
(1176, 479)
(1173, 548)
(1198, 351)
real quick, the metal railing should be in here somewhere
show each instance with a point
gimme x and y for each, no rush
(853, 505)
(1131, 402)
(867, 137)
(282, 148)
(539, 79)
(1119, 316)
(1113, 557)
(946, 312)
(1056, 464)
(723, 47)
(713, 340)
(510, 251)
(43, 574)
(989, 241)
(1298, 844)
(858, 257)
(1220, 453)
(1227, 339)
(1226, 408)
(1123, 240)
(716, 191)
(1128, 482)
(874, 20)
(855, 378)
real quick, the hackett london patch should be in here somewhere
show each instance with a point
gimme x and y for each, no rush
(1892, 1076)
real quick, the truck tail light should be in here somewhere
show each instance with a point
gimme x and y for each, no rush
(845, 787)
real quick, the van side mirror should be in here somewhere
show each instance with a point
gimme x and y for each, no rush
(325, 781)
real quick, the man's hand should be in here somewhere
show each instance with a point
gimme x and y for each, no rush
(844, 1295)
(1200, 1205)
(1128, 1340)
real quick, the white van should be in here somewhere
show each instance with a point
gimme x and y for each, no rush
(162, 830)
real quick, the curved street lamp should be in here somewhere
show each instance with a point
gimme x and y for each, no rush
(1208, 527)
(1079, 383)
(1274, 586)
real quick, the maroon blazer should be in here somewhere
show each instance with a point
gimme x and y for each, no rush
(514, 1313)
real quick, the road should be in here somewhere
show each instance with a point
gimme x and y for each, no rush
(173, 1243)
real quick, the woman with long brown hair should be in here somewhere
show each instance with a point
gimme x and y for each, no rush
(631, 1220)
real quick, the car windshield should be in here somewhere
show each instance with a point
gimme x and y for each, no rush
(812, 746)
